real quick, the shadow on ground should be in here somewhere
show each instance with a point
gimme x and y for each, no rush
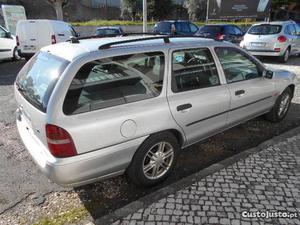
(105, 197)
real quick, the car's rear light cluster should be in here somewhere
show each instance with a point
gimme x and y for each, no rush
(53, 39)
(18, 40)
(282, 39)
(220, 37)
(60, 142)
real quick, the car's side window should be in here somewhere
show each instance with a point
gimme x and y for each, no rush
(237, 66)
(193, 28)
(2, 33)
(193, 69)
(115, 81)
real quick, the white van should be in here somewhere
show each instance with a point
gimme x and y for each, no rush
(8, 47)
(32, 35)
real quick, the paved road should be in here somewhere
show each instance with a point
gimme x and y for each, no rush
(20, 178)
(265, 182)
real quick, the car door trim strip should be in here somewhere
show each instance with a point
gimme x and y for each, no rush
(5, 50)
(227, 111)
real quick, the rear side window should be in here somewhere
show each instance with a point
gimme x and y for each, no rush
(265, 29)
(115, 81)
(193, 69)
(38, 78)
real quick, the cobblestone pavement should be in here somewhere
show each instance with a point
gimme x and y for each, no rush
(267, 181)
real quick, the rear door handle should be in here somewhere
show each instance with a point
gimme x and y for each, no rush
(240, 92)
(184, 107)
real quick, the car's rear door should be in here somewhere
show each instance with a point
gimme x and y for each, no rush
(198, 99)
(251, 93)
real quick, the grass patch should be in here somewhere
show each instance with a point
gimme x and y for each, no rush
(139, 23)
(67, 217)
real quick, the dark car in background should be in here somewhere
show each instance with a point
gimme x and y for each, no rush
(226, 32)
(176, 27)
(109, 31)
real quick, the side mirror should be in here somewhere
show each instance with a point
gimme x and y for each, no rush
(8, 35)
(268, 74)
(77, 35)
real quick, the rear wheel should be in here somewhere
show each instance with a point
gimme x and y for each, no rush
(15, 54)
(154, 160)
(281, 107)
(285, 57)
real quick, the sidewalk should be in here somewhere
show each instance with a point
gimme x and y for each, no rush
(262, 180)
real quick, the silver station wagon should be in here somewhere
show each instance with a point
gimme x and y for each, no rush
(93, 109)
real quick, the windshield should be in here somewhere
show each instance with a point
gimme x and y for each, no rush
(265, 29)
(38, 78)
(104, 32)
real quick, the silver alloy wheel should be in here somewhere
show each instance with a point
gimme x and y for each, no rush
(284, 105)
(158, 160)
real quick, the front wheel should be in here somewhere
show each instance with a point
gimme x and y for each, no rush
(154, 160)
(281, 107)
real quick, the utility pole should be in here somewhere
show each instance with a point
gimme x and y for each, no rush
(145, 29)
(207, 11)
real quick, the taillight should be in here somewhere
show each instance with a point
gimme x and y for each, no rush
(53, 39)
(282, 39)
(60, 142)
(220, 37)
(17, 40)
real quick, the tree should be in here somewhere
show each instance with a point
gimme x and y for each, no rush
(58, 5)
(196, 9)
(159, 9)
(130, 8)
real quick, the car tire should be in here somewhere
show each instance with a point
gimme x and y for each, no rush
(16, 56)
(154, 160)
(281, 107)
(285, 57)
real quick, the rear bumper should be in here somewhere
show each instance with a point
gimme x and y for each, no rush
(82, 169)
(265, 52)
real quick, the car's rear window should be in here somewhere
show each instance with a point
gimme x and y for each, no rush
(210, 29)
(163, 28)
(265, 29)
(38, 78)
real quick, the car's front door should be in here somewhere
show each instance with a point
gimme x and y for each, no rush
(5, 44)
(251, 93)
(199, 100)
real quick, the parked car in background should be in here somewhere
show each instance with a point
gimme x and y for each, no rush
(96, 108)
(8, 46)
(109, 31)
(179, 27)
(280, 39)
(226, 32)
(32, 35)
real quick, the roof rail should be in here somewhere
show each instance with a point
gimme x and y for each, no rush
(108, 45)
(166, 39)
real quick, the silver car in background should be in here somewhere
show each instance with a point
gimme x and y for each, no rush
(96, 108)
(280, 39)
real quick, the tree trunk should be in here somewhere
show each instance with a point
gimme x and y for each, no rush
(59, 10)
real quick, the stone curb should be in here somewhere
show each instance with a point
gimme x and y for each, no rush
(187, 181)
